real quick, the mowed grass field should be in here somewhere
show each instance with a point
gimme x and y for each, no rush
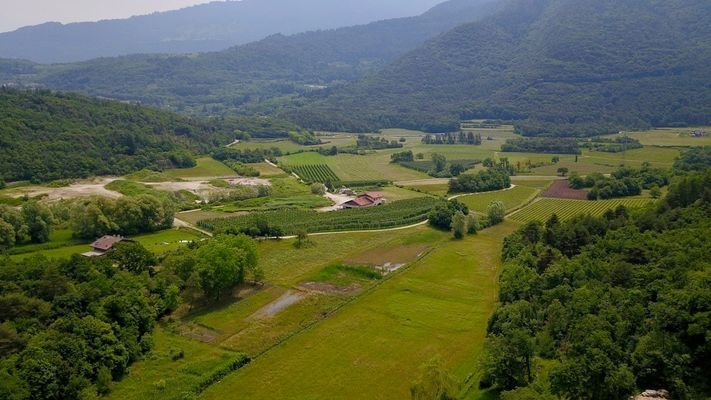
(670, 137)
(159, 243)
(543, 209)
(373, 347)
(206, 167)
(512, 198)
(595, 161)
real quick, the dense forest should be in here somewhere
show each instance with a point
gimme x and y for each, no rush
(79, 136)
(250, 77)
(568, 68)
(600, 308)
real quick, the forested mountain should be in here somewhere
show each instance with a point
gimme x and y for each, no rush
(46, 136)
(567, 67)
(248, 76)
(208, 27)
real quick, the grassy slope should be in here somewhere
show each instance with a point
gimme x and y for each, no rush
(512, 198)
(373, 347)
(206, 167)
(670, 137)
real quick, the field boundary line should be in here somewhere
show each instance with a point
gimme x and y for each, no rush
(331, 312)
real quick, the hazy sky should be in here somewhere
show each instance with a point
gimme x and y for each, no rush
(18, 13)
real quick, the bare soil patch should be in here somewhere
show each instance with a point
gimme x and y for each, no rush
(202, 186)
(198, 332)
(83, 188)
(561, 190)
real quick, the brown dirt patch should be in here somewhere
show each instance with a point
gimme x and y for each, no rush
(198, 332)
(83, 188)
(561, 190)
(390, 255)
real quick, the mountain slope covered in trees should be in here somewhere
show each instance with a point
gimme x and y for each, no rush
(45, 136)
(567, 67)
(250, 76)
(208, 27)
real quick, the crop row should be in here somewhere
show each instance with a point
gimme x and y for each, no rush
(398, 213)
(314, 173)
(567, 209)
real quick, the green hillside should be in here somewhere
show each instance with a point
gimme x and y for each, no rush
(249, 77)
(45, 136)
(568, 67)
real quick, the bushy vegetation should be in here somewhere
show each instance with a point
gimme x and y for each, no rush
(623, 182)
(617, 145)
(405, 156)
(68, 324)
(290, 222)
(694, 159)
(92, 218)
(609, 305)
(484, 181)
(31, 223)
(541, 145)
(460, 137)
(449, 168)
(249, 156)
(369, 142)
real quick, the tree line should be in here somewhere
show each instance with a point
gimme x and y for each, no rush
(602, 308)
(484, 181)
(460, 137)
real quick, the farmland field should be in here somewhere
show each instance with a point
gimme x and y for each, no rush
(543, 209)
(512, 198)
(596, 161)
(374, 346)
(206, 167)
(314, 172)
(349, 167)
(399, 213)
(670, 137)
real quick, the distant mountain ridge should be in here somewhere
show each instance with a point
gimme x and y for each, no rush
(251, 76)
(562, 67)
(208, 27)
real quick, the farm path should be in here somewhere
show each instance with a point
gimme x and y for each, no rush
(179, 223)
(361, 231)
(474, 194)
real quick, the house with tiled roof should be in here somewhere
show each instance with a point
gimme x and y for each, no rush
(369, 199)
